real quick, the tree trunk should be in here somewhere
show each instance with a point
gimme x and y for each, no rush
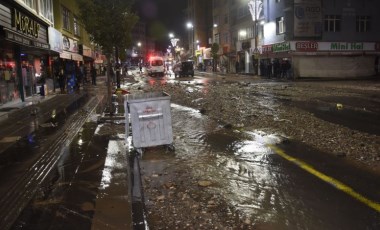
(117, 67)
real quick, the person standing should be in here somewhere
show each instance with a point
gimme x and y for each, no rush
(237, 66)
(269, 69)
(93, 75)
(61, 80)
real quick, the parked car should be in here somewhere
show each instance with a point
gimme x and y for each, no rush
(184, 68)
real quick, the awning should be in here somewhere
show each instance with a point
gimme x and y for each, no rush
(71, 56)
(65, 55)
(77, 57)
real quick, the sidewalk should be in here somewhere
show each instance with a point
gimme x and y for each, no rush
(10, 107)
(16, 118)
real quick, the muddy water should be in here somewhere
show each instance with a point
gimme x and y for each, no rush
(259, 184)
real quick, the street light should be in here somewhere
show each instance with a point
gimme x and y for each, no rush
(173, 41)
(139, 51)
(189, 26)
(255, 8)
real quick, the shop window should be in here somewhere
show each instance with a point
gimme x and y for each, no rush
(66, 18)
(76, 27)
(280, 25)
(363, 23)
(332, 23)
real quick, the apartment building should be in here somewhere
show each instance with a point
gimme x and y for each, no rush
(37, 39)
(199, 26)
(24, 49)
(318, 38)
(322, 38)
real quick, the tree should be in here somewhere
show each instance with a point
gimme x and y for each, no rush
(109, 24)
(214, 53)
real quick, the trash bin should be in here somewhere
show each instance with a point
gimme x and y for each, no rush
(150, 117)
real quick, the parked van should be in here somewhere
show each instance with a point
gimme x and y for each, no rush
(156, 66)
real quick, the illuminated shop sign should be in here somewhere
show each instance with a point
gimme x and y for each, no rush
(276, 48)
(307, 46)
(281, 47)
(25, 24)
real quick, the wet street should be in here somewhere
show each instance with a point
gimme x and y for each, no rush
(219, 176)
(241, 172)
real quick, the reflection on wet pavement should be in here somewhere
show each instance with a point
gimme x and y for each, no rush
(255, 180)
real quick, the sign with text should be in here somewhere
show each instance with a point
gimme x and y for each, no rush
(307, 46)
(25, 24)
(307, 18)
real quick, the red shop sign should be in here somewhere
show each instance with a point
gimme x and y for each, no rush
(307, 46)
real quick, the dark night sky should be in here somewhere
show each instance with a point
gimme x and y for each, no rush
(163, 17)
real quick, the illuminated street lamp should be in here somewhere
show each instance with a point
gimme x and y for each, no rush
(139, 51)
(173, 41)
(189, 26)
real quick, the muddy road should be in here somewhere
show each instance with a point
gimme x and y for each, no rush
(249, 154)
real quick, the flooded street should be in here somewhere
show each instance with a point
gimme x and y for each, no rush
(238, 163)
(234, 179)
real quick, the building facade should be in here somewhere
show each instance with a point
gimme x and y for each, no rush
(321, 38)
(38, 38)
(303, 38)
(199, 26)
(24, 50)
(76, 54)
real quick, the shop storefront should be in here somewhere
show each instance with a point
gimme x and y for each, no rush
(23, 54)
(88, 60)
(68, 65)
(324, 59)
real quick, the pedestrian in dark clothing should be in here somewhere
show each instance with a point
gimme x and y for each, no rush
(79, 76)
(140, 65)
(276, 69)
(85, 80)
(283, 69)
(237, 66)
(93, 75)
(61, 80)
(269, 69)
(287, 69)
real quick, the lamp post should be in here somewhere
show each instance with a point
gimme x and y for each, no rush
(189, 26)
(255, 8)
(139, 49)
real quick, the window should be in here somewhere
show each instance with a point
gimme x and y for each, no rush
(225, 39)
(216, 38)
(216, 19)
(246, 33)
(226, 19)
(76, 27)
(30, 3)
(243, 12)
(332, 23)
(280, 25)
(363, 23)
(66, 18)
(46, 9)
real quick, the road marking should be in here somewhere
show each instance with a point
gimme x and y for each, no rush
(337, 184)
